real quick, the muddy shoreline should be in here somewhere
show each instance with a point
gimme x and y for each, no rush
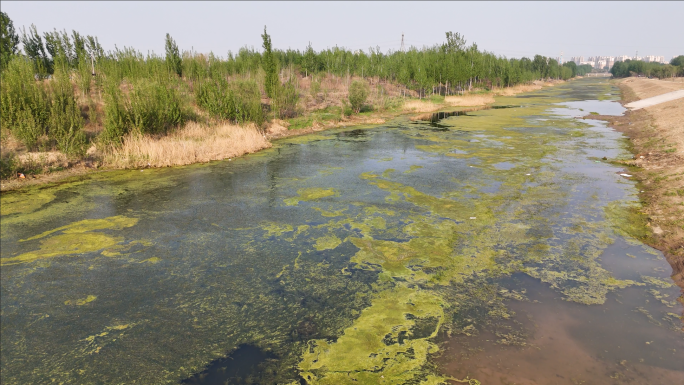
(657, 170)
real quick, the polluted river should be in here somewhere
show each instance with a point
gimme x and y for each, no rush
(493, 246)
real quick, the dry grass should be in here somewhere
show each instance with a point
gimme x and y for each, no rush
(194, 143)
(420, 106)
(43, 159)
(469, 100)
(519, 89)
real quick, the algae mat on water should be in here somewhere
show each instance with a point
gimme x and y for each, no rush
(348, 261)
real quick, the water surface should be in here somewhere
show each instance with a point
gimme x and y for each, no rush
(409, 252)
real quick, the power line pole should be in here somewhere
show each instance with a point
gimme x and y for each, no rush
(402, 49)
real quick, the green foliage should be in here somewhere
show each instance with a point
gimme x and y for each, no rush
(115, 120)
(65, 122)
(455, 42)
(153, 107)
(358, 93)
(174, 62)
(8, 165)
(24, 104)
(583, 69)
(677, 61)
(85, 76)
(35, 50)
(9, 40)
(285, 101)
(271, 80)
(641, 68)
(237, 101)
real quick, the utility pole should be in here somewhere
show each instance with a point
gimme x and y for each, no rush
(402, 49)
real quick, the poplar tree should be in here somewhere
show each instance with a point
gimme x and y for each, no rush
(269, 65)
(173, 58)
(9, 40)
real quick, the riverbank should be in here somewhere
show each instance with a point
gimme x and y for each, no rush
(201, 143)
(656, 135)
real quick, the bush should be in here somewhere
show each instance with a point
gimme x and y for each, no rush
(286, 99)
(153, 108)
(358, 93)
(238, 101)
(24, 104)
(66, 122)
(8, 165)
(115, 121)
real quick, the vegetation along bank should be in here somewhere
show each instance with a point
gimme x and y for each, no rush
(69, 107)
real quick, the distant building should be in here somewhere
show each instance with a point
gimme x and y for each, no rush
(654, 59)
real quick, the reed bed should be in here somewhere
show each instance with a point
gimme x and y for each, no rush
(193, 143)
(469, 100)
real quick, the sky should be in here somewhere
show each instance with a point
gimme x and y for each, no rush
(511, 29)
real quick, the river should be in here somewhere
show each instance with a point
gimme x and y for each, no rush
(495, 244)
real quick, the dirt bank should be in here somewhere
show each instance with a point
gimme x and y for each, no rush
(657, 136)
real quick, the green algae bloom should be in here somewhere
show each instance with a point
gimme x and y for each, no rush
(380, 347)
(327, 242)
(82, 301)
(359, 285)
(18, 203)
(76, 238)
(310, 194)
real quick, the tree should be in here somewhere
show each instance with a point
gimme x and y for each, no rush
(678, 61)
(269, 65)
(572, 66)
(9, 40)
(35, 50)
(455, 42)
(309, 60)
(173, 58)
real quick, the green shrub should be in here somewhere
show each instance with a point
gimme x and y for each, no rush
(346, 108)
(84, 76)
(115, 120)
(358, 93)
(8, 165)
(237, 101)
(66, 122)
(286, 99)
(24, 104)
(153, 108)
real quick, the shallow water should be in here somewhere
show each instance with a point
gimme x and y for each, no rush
(406, 252)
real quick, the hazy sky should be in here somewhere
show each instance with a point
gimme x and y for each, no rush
(513, 29)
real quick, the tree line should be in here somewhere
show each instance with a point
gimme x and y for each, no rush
(628, 67)
(153, 93)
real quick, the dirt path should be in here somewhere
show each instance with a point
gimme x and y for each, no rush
(648, 102)
(656, 133)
